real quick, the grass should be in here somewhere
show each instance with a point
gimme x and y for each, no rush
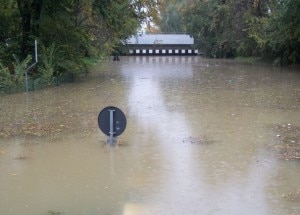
(248, 59)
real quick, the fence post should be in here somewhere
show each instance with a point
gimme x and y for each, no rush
(30, 67)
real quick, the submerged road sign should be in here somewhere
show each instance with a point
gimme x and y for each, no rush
(112, 122)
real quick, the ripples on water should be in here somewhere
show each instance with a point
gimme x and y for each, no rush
(199, 140)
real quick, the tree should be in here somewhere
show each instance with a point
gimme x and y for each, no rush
(210, 24)
(278, 34)
(78, 30)
(171, 17)
(9, 30)
(229, 28)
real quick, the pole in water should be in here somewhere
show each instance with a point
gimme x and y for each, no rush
(111, 127)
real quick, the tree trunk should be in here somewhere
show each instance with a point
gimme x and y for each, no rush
(36, 11)
(25, 12)
(30, 11)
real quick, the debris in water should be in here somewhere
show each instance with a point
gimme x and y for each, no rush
(293, 196)
(202, 140)
(53, 212)
(287, 140)
(21, 157)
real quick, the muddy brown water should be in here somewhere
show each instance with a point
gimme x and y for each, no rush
(198, 140)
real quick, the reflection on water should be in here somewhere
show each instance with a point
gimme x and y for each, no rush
(53, 160)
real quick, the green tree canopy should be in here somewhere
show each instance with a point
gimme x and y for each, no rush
(170, 16)
(75, 29)
(229, 28)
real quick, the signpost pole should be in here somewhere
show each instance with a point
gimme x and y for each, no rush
(111, 127)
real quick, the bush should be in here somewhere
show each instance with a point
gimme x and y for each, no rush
(14, 81)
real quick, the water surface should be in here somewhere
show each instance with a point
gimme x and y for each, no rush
(200, 139)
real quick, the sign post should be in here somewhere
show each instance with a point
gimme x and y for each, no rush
(111, 126)
(112, 122)
(36, 61)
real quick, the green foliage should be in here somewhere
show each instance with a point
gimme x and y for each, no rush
(71, 31)
(54, 65)
(258, 28)
(120, 19)
(278, 34)
(20, 69)
(171, 20)
(49, 66)
(6, 82)
(210, 23)
(13, 81)
(9, 31)
(284, 33)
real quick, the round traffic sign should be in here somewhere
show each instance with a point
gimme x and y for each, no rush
(112, 118)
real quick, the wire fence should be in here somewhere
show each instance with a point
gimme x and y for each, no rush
(36, 84)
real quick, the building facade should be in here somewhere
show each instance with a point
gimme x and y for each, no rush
(160, 44)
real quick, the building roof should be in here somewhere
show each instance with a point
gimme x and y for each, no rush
(163, 39)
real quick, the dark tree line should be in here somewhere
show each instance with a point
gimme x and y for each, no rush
(269, 29)
(70, 34)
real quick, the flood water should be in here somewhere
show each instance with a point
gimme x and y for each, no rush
(199, 140)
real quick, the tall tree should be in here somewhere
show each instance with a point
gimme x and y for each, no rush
(210, 23)
(222, 26)
(87, 26)
(278, 34)
(9, 30)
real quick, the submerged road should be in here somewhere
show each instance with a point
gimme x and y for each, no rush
(203, 137)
